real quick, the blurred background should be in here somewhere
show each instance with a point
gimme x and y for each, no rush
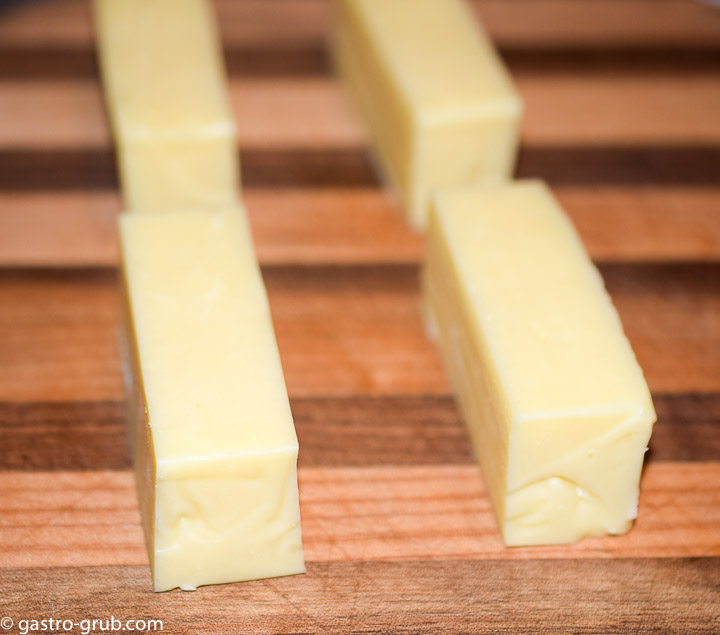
(621, 97)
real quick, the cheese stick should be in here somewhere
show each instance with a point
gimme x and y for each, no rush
(166, 93)
(555, 402)
(213, 437)
(439, 106)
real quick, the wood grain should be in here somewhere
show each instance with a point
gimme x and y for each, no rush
(69, 348)
(64, 436)
(646, 595)
(622, 98)
(688, 436)
(561, 109)
(313, 60)
(333, 432)
(535, 24)
(94, 170)
(352, 515)
(363, 226)
(341, 331)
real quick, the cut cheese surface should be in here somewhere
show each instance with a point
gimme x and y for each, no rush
(215, 445)
(556, 404)
(167, 97)
(439, 105)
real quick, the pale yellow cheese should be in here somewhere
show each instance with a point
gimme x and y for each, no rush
(556, 404)
(215, 445)
(166, 93)
(440, 108)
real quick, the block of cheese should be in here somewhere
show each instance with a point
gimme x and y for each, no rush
(166, 94)
(557, 407)
(439, 106)
(214, 441)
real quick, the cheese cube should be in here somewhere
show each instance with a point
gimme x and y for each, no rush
(438, 103)
(166, 94)
(213, 436)
(556, 404)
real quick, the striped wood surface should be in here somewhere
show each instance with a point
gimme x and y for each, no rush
(622, 99)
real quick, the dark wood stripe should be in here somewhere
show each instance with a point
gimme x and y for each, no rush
(649, 595)
(691, 165)
(278, 62)
(24, 170)
(63, 436)
(29, 64)
(380, 431)
(353, 431)
(663, 279)
(687, 429)
(618, 61)
(307, 168)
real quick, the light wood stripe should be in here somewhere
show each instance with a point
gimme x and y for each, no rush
(352, 514)
(363, 226)
(316, 117)
(521, 596)
(630, 595)
(341, 331)
(595, 109)
(610, 109)
(598, 23)
(518, 23)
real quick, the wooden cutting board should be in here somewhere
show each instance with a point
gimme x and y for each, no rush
(623, 119)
